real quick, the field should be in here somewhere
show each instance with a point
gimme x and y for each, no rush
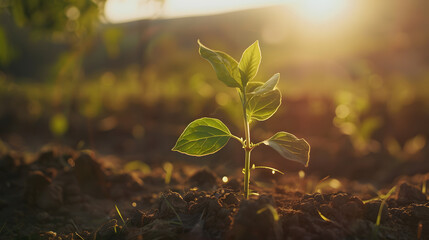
(90, 112)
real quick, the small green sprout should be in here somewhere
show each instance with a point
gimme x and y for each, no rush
(271, 209)
(115, 226)
(383, 198)
(168, 168)
(383, 202)
(120, 215)
(259, 101)
(323, 217)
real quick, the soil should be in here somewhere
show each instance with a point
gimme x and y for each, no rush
(61, 193)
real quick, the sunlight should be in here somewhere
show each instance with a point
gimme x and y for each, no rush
(129, 10)
(320, 11)
(315, 11)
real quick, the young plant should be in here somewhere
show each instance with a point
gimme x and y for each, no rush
(259, 101)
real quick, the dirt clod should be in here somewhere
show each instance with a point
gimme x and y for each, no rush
(90, 175)
(171, 204)
(408, 194)
(232, 184)
(9, 162)
(123, 184)
(229, 199)
(203, 179)
(65, 200)
(371, 210)
(339, 199)
(249, 224)
(41, 192)
(193, 195)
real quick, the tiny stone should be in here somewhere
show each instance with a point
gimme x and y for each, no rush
(229, 199)
(371, 211)
(50, 234)
(204, 179)
(408, 194)
(339, 199)
(318, 197)
(352, 209)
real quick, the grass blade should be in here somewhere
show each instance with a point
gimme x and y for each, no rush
(119, 213)
(77, 234)
(2, 227)
(323, 217)
(174, 210)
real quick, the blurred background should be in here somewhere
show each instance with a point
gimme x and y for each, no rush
(123, 77)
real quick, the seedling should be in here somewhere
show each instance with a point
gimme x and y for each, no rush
(271, 209)
(168, 168)
(115, 226)
(324, 218)
(383, 198)
(259, 101)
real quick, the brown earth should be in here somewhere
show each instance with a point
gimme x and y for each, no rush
(65, 194)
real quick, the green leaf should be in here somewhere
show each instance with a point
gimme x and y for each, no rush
(290, 147)
(252, 86)
(261, 107)
(268, 85)
(225, 66)
(249, 62)
(202, 137)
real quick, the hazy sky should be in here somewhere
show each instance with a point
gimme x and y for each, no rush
(129, 10)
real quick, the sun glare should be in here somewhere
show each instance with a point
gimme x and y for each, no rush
(129, 10)
(322, 11)
(313, 11)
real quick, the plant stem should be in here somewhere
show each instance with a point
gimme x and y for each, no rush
(247, 148)
(246, 173)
